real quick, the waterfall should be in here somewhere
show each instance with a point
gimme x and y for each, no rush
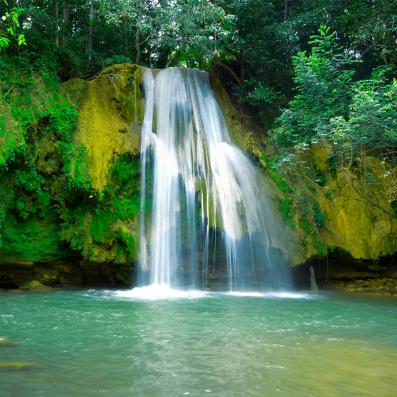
(209, 210)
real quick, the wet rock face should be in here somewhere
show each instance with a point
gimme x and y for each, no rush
(340, 271)
(333, 205)
(35, 285)
(109, 118)
(357, 205)
(380, 286)
(45, 276)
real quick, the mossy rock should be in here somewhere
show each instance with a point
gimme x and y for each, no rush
(320, 154)
(359, 215)
(11, 137)
(16, 366)
(242, 134)
(346, 207)
(372, 286)
(75, 90)
(6, 342)
(73, 193)
(35, 285)
(31, 240)
(110, 118)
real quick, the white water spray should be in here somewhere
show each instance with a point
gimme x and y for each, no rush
(209, 213)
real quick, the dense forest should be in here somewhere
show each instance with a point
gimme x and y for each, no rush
(278, 57)
(302, 74)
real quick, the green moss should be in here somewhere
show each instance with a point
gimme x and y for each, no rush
(69, 183)
(75, 90)
(30, 184)
(287, 212)
(35, 285)
(32, 239)
(286, 203)
(393, 205)
(76, 166)
(103, 226)
(110, 117)
(11, 136)
(125, 235)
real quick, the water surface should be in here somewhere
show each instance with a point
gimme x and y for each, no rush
(119, 344)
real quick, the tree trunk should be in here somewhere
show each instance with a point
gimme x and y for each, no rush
(285, 10)
(66, 20)
(57, 22)
(137, 47)
(126, 37)
(90, 41)
(231, 72)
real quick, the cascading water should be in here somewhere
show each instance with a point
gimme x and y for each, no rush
(208, 204)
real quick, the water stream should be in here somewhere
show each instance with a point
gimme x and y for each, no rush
(210, 208)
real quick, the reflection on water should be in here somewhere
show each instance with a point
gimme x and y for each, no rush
(119, 343)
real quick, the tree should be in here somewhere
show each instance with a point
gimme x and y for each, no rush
(323, 83)
(90, 39)
(190, 32)
(136, 18)
(10, 28)
(371, 124)
(196, 33)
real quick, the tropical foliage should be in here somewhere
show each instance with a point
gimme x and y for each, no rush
(10, 26)
(306, 70)
(329, 106)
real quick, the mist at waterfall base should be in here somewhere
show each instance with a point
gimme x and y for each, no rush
(210, 225)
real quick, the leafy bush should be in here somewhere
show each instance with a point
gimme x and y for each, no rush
(10, 29)
(330, 107)
(324, 80)
(372, 119)
(115, 59)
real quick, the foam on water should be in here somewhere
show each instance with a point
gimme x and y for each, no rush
(157, 292)
(270, 294)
